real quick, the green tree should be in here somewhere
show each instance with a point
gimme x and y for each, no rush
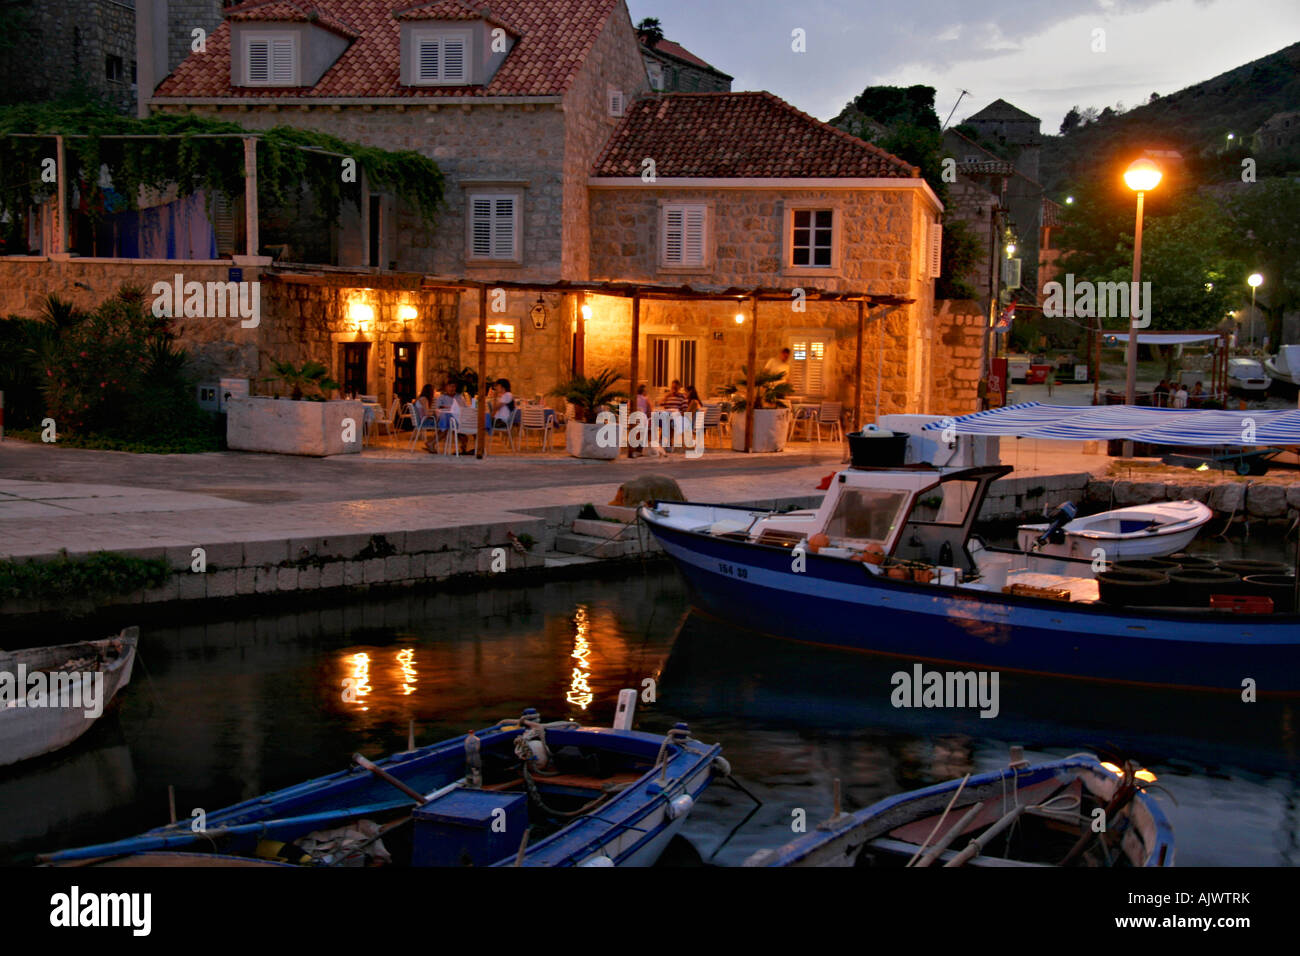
(649, 31)
(1263, 231)
(1186, 255)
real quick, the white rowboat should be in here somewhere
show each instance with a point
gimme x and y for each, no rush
(50, 696)
(1142, 531)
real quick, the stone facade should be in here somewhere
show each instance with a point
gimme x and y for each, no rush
(881, 242)
(83, 44)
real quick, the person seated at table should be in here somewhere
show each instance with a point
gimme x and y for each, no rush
(642, 400)
(502, 402)
(693, 403)
(676, 399)
(423, 405)
(447, 397)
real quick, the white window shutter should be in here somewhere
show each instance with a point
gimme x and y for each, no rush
(481, 227)
(428, 59)
(693, 255)
(815, 383)
(258, 56)
(503, 228)
(616, 103)
(282, 65)
(674, 235)
(453, 59)
(936, 250)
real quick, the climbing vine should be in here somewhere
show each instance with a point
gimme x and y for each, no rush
(289, 161)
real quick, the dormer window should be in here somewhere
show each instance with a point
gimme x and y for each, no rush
(441, 57)
(271, 59)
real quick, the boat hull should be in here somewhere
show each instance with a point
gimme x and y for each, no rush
(1150, 842)
(840, 603)
(631, 829)
(1169, 528)
(30, 731)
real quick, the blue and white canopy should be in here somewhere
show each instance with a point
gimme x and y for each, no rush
(1158, 426)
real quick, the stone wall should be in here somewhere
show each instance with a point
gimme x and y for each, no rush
(614, 62)
(310, 320)
(956, 346)
(70, 46)
(218, 347)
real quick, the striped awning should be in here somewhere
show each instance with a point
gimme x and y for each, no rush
(1157, 426)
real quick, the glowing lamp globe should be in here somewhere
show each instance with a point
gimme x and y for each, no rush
(1142, 175)
(1255, 281)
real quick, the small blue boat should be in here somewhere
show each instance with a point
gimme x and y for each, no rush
(888, 564)
(519, 793)
(1050, 814)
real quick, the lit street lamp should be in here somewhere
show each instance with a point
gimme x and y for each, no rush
(1254, 281)
(1141, 176)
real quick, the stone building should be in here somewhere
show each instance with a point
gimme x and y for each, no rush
(1281, 131)
(80, 46)
(563, 170)
(671, 68)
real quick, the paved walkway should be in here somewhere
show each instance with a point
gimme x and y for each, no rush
(55, 498)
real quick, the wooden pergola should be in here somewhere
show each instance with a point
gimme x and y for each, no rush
(639, 291)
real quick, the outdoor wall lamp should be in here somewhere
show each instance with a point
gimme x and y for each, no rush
(538, 314)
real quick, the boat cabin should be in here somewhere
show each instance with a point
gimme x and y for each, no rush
(911, 513)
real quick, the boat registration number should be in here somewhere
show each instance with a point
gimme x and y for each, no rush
(732, 571)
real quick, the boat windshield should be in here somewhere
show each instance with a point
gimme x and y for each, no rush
(866, 514)
(945, 503)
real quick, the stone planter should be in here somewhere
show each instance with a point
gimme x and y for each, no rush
(285, 427)
(771, 426)
(580, 440)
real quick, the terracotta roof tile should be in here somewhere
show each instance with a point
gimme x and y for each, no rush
(680, 52)
(738, 136)
(292, 11)
(554, 39)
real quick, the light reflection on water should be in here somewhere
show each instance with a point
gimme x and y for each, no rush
(231, 709)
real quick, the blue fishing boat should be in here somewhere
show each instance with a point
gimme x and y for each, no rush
(521, 792)
(1049, 814)
(889, 564)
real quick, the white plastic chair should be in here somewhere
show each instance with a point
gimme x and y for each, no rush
(828, 416)
(508, 429)
(386, 422)
(408, 413)
(429, 421)
(464, 422)
(534, 418)
(807, 417)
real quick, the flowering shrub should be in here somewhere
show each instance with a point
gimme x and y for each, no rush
(117, 373)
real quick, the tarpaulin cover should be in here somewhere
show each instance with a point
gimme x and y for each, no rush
(1157, 426)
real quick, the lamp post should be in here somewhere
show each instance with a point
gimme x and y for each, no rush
(1141, 176)
(1254, 281)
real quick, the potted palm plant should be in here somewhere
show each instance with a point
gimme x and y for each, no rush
(308, 423)
(583, 437)
(771, 415)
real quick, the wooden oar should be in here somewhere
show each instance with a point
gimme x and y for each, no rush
(956, 831)
(388, 778)
(974, 846)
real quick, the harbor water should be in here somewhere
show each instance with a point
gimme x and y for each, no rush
(225, 709)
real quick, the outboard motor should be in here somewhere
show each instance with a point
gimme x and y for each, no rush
(1060, 518)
